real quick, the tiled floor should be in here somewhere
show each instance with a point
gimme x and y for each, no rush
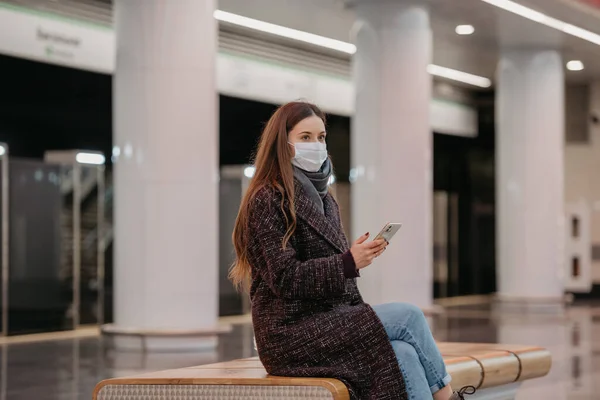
(69, 369)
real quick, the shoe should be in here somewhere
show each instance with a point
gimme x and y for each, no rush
(460, 395)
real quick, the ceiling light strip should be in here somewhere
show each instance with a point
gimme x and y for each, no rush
(543, 19)
(338, 45)
(459, 76)
(285, 32)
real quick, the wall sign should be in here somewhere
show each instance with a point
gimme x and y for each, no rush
(56, 40)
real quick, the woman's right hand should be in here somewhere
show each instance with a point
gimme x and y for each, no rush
(364, 253)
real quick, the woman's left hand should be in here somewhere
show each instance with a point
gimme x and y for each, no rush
(364, 253)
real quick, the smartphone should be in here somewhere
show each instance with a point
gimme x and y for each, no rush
(388, 231)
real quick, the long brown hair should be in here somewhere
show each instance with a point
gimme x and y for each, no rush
(273, 167)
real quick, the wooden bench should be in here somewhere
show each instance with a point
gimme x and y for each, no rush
(496, 370)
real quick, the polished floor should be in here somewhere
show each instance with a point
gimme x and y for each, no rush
(69, 369)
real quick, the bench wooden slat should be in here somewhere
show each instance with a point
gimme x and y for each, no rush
(464, 371)
(534, 361)
(534, 364)
(499, 367)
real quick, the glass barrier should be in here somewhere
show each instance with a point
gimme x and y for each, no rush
(4, 242)
(230, 194)
(39, 288)
(56, 246)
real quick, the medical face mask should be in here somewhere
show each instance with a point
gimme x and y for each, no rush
(309, 156)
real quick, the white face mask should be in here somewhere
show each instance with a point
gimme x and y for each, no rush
(309, 156)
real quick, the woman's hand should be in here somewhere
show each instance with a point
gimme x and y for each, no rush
(364, 253)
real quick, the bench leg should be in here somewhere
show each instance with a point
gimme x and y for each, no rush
(504, 392)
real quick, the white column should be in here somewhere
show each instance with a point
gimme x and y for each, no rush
(530, 170)
(391, 147)
(166, 175)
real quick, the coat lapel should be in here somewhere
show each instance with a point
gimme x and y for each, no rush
(332, 213)
(322, 224)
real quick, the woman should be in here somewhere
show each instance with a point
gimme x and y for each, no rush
(309, 317)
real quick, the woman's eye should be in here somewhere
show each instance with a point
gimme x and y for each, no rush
(322, 138)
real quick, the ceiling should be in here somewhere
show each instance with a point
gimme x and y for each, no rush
(496, 29)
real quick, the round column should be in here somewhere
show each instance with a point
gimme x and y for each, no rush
(530, 168)
(166, 170)
(391, 147)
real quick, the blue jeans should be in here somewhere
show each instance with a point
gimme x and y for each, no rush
(420, 360)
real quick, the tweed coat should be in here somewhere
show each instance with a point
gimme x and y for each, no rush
(309, 319)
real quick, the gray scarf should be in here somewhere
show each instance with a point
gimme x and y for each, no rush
(315, 184)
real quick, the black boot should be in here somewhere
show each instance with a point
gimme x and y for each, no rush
(460, 395)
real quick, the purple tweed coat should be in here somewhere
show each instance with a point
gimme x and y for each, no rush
(309, 319)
